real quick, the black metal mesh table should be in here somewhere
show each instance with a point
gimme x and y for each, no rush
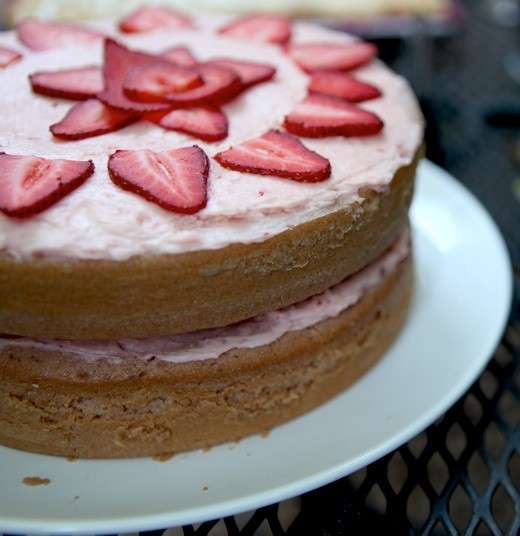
(462, 475)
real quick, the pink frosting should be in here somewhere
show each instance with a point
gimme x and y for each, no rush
(258, 331)
(100, 221)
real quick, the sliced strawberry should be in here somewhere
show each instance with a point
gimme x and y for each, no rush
(119, 61)
(319, 116)
(175, 180)
(266, 28)
(74, 84)
(332, 56)
(249, 72)
(8, 56)
(180, 55)
(343, 86)
(44, 35)
(279, 154)
(154, 81)
(204, 123)
(91, 118)
(29, 185)
(147, 18)
(219, 85)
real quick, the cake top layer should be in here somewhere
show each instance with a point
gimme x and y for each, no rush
(100, 221)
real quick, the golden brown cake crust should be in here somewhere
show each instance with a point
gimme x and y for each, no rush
(59, 404)
(167, 294)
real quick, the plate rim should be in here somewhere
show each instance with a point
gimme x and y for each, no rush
(296, 487)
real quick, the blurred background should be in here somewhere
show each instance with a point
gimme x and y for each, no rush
(462, 57)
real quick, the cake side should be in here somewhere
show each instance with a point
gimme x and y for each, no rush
(162, 407)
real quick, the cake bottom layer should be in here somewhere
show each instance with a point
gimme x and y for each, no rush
(60, 404)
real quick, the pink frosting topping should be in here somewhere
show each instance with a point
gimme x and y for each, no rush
(258, 331)
(99, 221)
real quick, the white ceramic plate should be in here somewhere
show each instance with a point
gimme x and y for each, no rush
(459, 310)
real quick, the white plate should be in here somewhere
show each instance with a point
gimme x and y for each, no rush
(459, 310)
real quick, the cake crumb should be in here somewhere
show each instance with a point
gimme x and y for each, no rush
(204, 488)
(163, 457)
(36, 481)
(265, 433)
(71, 459)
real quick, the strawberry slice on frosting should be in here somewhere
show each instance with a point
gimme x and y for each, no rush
(266, 28)
(91, 118)
(332, 56)
(119, 61)
(163, 82)
(249, 72)
(278, 154)
(154, 17)
(176, 180)
(29, 184)
(180, 55)
(74, 84)
(156, 80)
(343, 86)
(207, 124)
(8, 56)
(320, 116)
(41, 35)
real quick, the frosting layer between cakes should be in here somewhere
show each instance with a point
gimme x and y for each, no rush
(98, 221)
(257, 331)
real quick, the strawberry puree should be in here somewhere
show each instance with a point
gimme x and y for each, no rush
(101, 221)
(258, 331)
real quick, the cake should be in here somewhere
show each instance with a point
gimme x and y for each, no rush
(213, 239)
